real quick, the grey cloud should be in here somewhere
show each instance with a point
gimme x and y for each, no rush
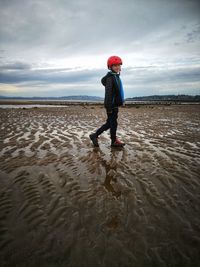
(62, 75)
(15, 66)
(194, 35)
(131, 76)
(84, 26)
(156, 32)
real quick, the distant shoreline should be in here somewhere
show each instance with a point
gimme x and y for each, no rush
(53, 103)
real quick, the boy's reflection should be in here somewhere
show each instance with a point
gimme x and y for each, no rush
(110, 168)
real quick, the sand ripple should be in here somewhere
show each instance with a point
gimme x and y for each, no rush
(65, 203)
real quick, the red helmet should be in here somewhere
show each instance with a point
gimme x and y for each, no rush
(113, 60)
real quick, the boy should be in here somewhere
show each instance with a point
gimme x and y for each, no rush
(114, 97)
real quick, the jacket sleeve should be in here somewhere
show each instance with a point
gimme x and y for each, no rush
(108, 93)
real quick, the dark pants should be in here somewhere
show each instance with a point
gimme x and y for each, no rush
(111, 123)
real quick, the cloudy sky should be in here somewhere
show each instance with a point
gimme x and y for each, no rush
(60, 47)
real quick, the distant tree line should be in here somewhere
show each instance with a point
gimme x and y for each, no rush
(185, 98)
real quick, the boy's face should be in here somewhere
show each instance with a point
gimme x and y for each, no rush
(116, 68)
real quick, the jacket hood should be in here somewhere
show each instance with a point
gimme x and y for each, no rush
(103, 80)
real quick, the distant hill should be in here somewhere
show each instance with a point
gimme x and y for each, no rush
(185, 98)
(73, 97)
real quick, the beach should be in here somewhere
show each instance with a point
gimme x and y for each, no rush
(64, 202)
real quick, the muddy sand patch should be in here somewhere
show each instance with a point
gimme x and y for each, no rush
(65, 203)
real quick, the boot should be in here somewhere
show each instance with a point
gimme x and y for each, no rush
(117, 143)
(94, 139)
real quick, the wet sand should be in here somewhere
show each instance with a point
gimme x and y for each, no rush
(65, 203)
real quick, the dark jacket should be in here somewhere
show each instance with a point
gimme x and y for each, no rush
(112, 91)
